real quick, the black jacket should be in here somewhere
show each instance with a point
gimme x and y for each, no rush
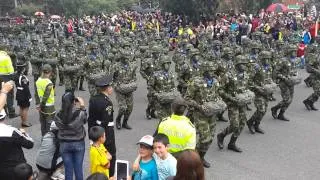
(72, 130)
(11, 142)
(100, 111)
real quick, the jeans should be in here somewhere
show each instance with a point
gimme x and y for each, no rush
(72, 155)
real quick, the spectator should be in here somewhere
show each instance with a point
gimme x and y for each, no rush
(71, 134)
(48, 159)
(189, 167)
(148, 167)
(24, 171)
(166, 163)
(179, 129)
(99, 156)
(11, 140)
(300, 54)
(306, 37)
(23, 95)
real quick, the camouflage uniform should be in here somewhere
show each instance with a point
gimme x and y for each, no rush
(262, 94)
(286, 75)
(36, 58)
(70, 67)
(203, 89)
(124, 74)
(236, 94)
(50, 56)
(162, 83)
(313, 67)
(147, 68)
(94, 68)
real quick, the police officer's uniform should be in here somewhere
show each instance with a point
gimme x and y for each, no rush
(101, 114)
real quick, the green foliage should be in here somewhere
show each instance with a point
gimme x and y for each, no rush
(28, 9)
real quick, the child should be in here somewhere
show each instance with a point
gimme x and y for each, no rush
(99, 156)
(166, 163)
(148, 168)
(48, 159)
(23, 95)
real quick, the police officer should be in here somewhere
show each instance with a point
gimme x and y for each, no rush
(6, 74)
(101, 114)
(45, 99)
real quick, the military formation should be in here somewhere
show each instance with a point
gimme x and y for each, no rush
(214, 77)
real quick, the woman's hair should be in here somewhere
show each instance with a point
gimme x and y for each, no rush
(67, 106)
(23, 171)
(97, 176)
(189, 166)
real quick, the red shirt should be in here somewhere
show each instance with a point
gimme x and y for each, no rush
(300, 51)
(313, 30)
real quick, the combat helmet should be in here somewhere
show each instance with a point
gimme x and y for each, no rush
(241, 59)
(265, 55)
(227, 50)
(291, 48)
(193, 52)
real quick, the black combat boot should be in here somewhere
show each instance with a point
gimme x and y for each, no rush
(250, 126)
(311, 104)
(281, 116)
(220, 138)
(221, 118)
(81, 85)
(274, 112)
(118, 121)
(232, 145)
(248, 108)
(307, 104)
(272, 98)
(308, 81)
(153, 113)
(148, 115)
(258, 129)
(125, 123)
(205, 163)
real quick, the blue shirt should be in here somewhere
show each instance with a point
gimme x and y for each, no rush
(148, 171)
(166, 167)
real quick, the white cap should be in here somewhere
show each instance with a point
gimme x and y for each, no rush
(2, 114)
(146, 140)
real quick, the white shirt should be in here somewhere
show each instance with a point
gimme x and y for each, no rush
(166, 167)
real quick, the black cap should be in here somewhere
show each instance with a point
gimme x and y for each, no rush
(104, 81)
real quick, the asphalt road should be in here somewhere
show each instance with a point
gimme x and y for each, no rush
(288, 150)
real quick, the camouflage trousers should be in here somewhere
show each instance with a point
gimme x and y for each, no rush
(287, 96)
(261, 105)
(125, 102)
(151, 101)
(46, 116)
(237, 118)
(205, 127)
(70, 82)
(163, 110)
(92, 88)
(316, 91)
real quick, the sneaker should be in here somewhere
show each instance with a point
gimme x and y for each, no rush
(57, 175)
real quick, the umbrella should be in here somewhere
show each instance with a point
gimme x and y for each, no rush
(277, 7)
(38, 13)
(55, 17)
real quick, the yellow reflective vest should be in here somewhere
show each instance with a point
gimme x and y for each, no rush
(180, 131)
(6, 67)
(42, 84)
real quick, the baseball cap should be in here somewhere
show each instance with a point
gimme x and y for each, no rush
(146, 140)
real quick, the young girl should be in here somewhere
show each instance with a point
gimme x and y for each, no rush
(23, 95)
